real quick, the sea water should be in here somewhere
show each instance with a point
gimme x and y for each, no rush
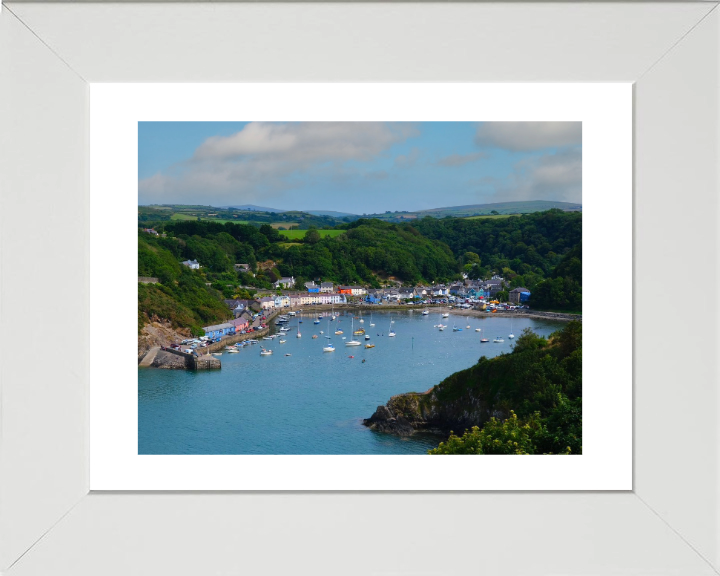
(313, 402)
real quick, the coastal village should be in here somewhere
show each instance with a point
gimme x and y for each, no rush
(251, 317)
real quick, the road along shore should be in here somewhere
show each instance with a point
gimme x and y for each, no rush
(434, 309)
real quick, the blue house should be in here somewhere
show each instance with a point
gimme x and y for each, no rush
(373, 298)
(219, 330)
(312, 287)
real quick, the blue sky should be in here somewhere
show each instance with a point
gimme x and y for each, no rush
(358, 167)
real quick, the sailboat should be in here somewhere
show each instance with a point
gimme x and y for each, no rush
(425, 312)
(446, 315)
(467, 319)
(332, 317)
(353, 342)
(371, 322)
(361, 319)
(498, 340)
(298, 335)
(456, 329)
(329, 347)
(392, 332)
(511, 335)
(484, 340)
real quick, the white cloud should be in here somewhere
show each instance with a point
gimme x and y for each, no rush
(527, 136)
(307, 141)
(265, 158)
(555, 176)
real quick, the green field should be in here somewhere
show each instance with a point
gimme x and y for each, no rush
(179, 216)
(490, 216)
(300, 234)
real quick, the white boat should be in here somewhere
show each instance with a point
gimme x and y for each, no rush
(478, 329)
(264, 352)
(446, 315)
(484, 340)
(217, 353)
(298, 335)
(329, 347)
(252, 341)
(441, 327)
(233, 351)
(288, 354)
(283, 341)
(367, 337)
(467, 319)
(371, 322)
(511, 335)
(267, 337)
(425, 312)
(316, 321)
(392, 332)
(353, 342)
(498, 340)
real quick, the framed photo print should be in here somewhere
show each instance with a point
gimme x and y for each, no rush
(398, 264)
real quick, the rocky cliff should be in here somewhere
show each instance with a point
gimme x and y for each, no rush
(453, 405)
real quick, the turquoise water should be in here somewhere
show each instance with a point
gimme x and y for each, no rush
(313, 402)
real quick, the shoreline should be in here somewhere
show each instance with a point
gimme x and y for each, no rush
(537, 314)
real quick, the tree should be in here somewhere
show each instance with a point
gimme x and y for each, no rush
(494, 212)
(502, 296)
(512, 436)
(312, 236)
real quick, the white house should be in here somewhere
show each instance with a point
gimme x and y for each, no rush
(285, 282)
(282, 301)
(327, 287)
(192, 264)
(267, 303)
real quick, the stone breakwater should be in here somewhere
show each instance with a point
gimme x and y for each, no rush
(170, 359)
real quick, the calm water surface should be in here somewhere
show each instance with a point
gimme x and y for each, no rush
(313, 402)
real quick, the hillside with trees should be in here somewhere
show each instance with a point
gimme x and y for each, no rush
(526, 402)
(540, 251)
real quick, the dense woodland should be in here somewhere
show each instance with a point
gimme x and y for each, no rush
(538, 386)
(540, 251)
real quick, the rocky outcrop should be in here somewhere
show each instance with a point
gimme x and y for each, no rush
(158, 332)
(385, 420)
(453, 405)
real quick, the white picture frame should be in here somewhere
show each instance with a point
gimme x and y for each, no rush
(49, 523)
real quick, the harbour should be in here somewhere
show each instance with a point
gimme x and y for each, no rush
(303, 400)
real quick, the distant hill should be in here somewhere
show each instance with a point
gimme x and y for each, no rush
(523, 207)
(329, 213)
(254, 208)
